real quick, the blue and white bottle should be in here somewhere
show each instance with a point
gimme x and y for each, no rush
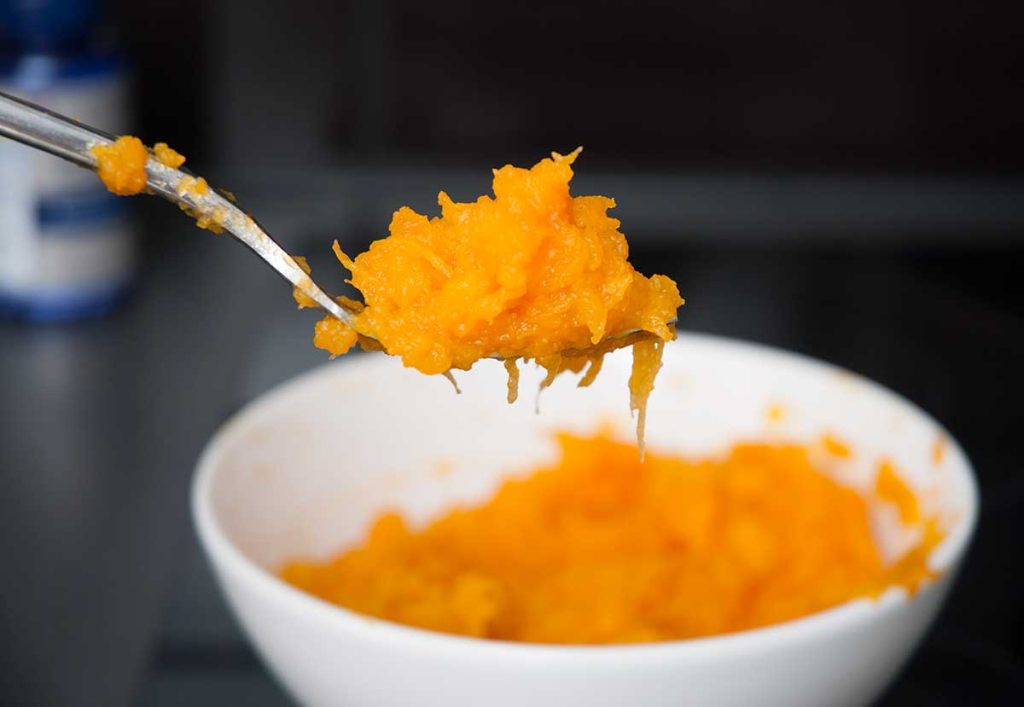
(66, 247)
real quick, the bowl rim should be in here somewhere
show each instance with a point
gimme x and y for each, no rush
(226, 558)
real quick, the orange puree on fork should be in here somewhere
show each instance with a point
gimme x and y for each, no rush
(531, 273)
(122, 165)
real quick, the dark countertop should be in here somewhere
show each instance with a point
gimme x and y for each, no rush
(104, 598)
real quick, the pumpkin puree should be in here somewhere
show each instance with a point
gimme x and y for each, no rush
(168, 156)
(122, 165)
(604, 548)
(530, 273)
(122, 168)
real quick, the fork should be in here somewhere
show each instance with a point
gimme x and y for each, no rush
(71, 140)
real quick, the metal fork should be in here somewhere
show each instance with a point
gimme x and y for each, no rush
(73, 141)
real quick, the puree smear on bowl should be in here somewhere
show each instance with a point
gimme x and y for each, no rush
(603, 548)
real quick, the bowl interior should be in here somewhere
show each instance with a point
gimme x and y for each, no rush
(300, 473)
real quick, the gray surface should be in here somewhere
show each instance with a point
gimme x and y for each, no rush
(201, 689)
(685, 209)
(101, 424)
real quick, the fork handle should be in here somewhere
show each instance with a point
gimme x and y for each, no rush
(73, 141)
(51, 132)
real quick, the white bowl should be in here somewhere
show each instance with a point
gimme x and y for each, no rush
(302, 471)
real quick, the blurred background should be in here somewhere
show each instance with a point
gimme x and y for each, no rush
(842, 179)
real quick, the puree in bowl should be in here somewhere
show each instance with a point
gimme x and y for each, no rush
(603, 548)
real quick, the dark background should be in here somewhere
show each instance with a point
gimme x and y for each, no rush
(843, 179)
(913, 87)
